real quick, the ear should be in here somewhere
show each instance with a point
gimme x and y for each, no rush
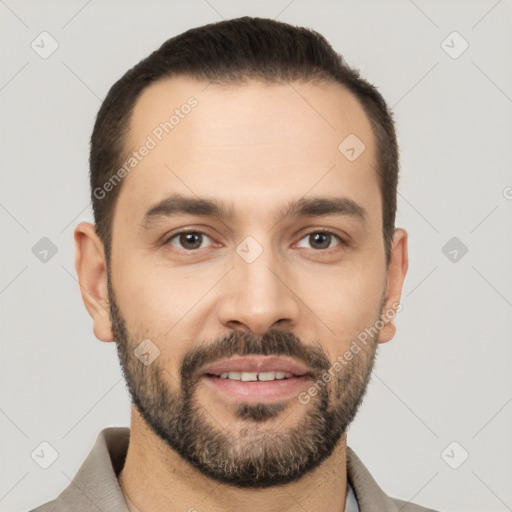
(398, 265)
(91, 268)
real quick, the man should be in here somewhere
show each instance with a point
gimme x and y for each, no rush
(246, 354)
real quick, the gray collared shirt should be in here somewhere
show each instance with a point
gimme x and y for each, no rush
(350, 501)
(95, 485)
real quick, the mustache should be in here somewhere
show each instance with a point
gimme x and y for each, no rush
(240, 343)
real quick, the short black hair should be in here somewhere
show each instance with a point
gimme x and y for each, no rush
(232, 52)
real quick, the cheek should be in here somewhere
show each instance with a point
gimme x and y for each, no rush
(160, 304)
(343, 302)
(148, 294)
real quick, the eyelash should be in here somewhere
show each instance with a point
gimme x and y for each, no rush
(316, 231)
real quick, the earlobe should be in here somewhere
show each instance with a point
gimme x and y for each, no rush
(90, 265)
(396, 273)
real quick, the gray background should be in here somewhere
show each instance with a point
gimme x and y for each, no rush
(445, 377)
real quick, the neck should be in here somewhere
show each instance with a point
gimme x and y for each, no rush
(157, 479)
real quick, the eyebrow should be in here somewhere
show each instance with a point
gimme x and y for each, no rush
(178, 204)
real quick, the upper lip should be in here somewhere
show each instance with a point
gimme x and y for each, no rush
(257, 364)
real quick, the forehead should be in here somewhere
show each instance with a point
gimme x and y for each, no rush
(250, 145)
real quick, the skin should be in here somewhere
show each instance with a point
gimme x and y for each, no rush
(256, 147)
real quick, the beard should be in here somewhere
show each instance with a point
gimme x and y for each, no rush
(260, 455)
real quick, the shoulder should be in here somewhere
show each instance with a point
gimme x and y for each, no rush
(95, 483)
(51, 506)
(405, 506)
(369, 495)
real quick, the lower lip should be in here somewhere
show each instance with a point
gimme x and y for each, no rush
(258, 391)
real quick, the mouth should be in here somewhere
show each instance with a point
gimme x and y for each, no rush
(257, 379)
(254, 376)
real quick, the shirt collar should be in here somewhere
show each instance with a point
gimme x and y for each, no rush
(96, 480)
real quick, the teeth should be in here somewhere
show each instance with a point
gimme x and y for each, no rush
(247, 376)
(266, 375)
(253, 376)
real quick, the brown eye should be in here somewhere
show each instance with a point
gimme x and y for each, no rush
(321, 240)
(188, 240)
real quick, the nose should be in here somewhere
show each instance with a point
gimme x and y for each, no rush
(258, 295)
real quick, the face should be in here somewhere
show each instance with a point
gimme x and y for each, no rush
(241, 304)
